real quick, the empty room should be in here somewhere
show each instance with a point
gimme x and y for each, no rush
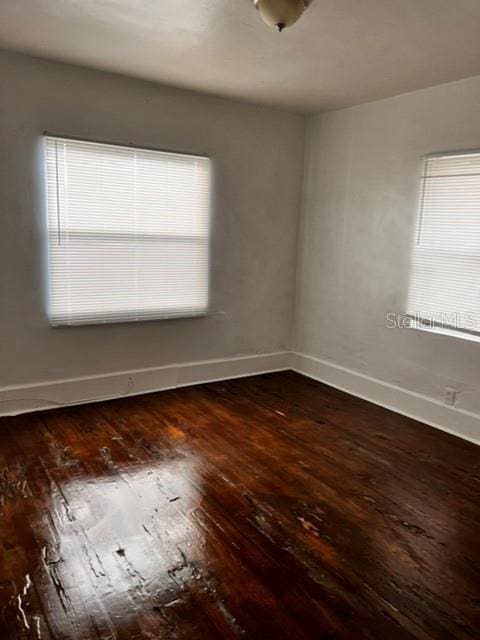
(239, 319)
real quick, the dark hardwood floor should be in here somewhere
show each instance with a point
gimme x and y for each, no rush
(270, 507)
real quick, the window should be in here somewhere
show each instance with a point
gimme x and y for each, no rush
(128, 233)
(445, 270)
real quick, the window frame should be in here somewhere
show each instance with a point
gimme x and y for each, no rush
(103, 319)
(418, 322)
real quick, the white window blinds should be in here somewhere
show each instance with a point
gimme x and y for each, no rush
(128, 233)
(445, 268)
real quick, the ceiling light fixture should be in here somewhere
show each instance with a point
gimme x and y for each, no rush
(281, 13)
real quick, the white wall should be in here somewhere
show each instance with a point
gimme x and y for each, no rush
(359, 204)
(258, 157)
(362, 177)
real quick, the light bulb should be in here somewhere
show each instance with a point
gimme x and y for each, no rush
(280, 13)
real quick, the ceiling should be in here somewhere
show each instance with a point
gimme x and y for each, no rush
(341, 52)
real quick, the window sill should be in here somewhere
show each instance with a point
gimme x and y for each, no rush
(101, 320)
(451, 333)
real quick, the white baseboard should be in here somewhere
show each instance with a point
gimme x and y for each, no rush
(457, 422)
(48, 395)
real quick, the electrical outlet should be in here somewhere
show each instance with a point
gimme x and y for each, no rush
(450, 396)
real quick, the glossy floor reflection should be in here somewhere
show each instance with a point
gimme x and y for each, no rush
(269, 507)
